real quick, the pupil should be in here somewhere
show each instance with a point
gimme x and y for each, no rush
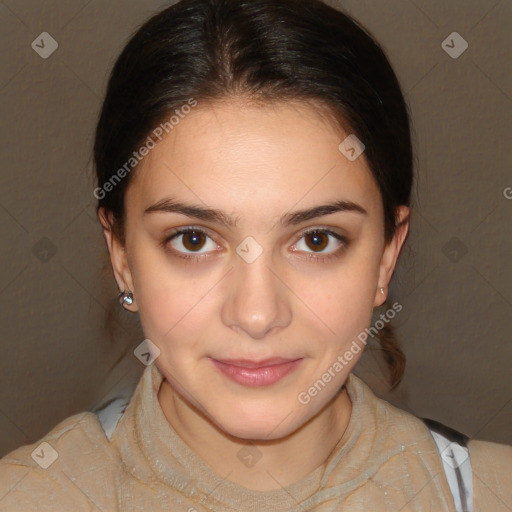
(192, 240)
(317, 240)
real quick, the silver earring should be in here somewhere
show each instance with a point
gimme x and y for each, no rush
(125, 298)
(382, 290)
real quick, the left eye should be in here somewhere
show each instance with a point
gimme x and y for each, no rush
(192, 240)
(318, 239)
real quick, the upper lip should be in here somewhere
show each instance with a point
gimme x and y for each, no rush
(249, 363)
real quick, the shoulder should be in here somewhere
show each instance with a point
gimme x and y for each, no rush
(486, 478)
(76, 449)
(492, 456)
(477, 472)
(492, 475)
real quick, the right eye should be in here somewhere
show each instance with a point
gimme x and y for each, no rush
(187, 242)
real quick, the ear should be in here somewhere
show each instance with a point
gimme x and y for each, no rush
(118, 257)
(390, 254)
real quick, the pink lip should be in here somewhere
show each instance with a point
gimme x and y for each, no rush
(256, 373)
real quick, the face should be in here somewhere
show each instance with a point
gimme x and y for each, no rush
(249, 290)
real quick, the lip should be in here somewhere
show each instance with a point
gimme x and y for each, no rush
(256, 373)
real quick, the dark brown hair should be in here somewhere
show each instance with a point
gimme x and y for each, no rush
(265, 50)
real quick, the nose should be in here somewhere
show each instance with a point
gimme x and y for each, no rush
(257, 302)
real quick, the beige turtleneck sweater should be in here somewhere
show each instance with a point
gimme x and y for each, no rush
(385, 461)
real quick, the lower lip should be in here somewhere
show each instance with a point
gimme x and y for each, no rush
(257, 377)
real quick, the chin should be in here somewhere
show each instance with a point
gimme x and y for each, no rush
(257, 426)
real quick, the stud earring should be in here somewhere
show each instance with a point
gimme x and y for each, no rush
(382, 290)
(125, 298)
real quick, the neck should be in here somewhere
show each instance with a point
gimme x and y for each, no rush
(282, 461)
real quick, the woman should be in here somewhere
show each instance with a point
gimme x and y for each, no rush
(254, 170)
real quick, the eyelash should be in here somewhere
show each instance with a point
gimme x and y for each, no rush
(316, 257)
(319, 257)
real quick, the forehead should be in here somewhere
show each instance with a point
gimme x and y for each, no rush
(251, 157)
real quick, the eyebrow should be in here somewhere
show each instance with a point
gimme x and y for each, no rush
(168, 205)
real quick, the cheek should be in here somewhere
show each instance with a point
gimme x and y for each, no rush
(344, 299)
(342, 309)
(169, 299)
(172, 312)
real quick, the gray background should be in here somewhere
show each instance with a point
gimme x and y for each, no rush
(454, 280)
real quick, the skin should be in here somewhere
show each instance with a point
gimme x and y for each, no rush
(255, 163)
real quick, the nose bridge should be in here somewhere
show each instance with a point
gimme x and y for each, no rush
(256, 301)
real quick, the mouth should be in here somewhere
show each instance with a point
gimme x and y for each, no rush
(256, 373)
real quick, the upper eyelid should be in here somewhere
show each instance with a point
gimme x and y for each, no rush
(323, 229)
(185, 229)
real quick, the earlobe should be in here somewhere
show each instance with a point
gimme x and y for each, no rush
(380, 297)
(118, 260)
(390, 254)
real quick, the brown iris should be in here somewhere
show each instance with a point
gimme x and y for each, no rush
(193, 240)
(317, 242)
